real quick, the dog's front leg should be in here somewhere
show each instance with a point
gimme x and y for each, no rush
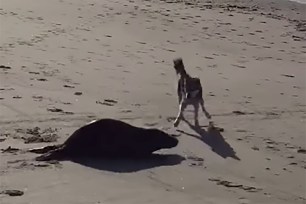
(180, 113)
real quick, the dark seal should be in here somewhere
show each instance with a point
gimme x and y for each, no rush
(108, 138)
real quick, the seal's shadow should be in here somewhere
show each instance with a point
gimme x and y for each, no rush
(126, 165)
(214, 139)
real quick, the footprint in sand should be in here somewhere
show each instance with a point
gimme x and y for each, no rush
(126, 111)
(17, 97)
(37, 98)
(23, 164)
(12, 192)
(5, 68)
(10, 149)
(35, 73)
(213, 66)
(195, 161)
(41, 79)
(78, 93)
(107, 102)
(244, 201)
(58, 110)
(230, 184)
(68, 86)
(239, 66)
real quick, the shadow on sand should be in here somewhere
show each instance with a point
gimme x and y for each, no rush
(214, 139)
(128, 165)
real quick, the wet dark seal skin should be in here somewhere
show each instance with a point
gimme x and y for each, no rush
(108, 138)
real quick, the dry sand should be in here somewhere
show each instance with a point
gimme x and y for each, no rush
(60, 60)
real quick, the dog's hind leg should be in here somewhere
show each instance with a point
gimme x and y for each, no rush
(196, 114)
(208, 116)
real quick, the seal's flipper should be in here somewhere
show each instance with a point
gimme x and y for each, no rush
(56, 154)
(42, 150)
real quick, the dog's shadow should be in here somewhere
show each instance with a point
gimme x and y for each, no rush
(127, 165)
(213, 138)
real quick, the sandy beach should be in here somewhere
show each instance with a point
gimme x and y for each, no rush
(64, 63)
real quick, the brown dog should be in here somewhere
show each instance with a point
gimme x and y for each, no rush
(189, 91)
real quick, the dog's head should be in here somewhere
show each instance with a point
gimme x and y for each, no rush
(178, 65)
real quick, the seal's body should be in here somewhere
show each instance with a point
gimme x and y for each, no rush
(109, 138)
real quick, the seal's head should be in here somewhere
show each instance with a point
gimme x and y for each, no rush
(161, 139)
